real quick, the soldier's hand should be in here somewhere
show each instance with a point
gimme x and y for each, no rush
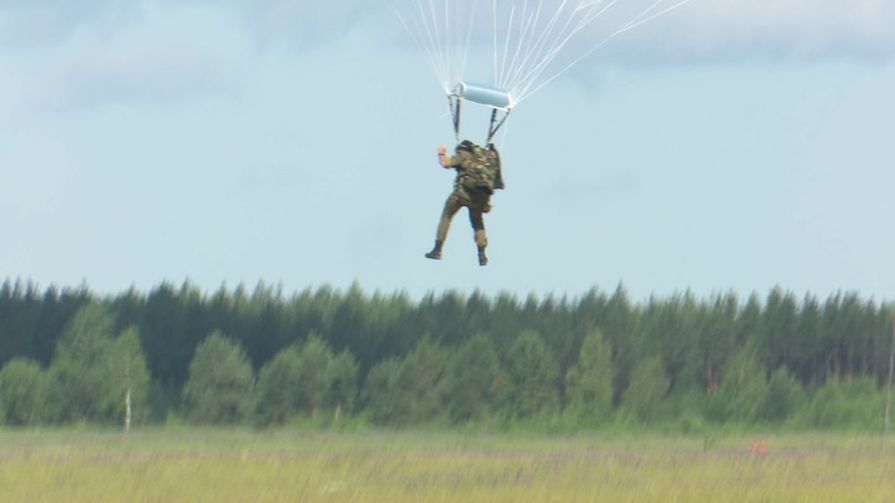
(442, 150)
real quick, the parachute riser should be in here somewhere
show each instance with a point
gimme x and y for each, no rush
(495, 125)
(455, 105)
(497, 99)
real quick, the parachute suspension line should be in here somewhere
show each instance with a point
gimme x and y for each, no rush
(507, 41)
(469, 35)
(439, 29)
(420, 45)
(592, 14)
(627, 27)
(520, 32)
(547, 51)
(454, 37)
(432, 47)
(450, 43)
(520, 27)
(643, 14)
(545, 35)
(436, 54)
(631, 26)
(440, 43)
(458, 42)
(447, 38)
(506, 46)
(530, 46)
(589, 16)
(526, 28)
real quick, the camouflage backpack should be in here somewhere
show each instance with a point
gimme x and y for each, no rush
(483, 173)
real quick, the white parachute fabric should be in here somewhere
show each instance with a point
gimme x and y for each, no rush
(532, 42)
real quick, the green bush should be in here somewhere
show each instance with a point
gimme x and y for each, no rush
(853, 403)
(92, 371)
(306, 379)
(277, 383)
(23, 386)
(783, 397)
(219, 388)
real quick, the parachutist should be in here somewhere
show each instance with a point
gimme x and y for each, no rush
(478, 176)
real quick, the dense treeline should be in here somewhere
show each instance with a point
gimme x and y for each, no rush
(68, 355)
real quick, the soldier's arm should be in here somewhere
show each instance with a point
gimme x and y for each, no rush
(448, 161)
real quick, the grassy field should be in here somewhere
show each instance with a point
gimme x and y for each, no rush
(226, 465)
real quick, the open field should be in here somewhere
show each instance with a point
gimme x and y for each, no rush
(228, 465)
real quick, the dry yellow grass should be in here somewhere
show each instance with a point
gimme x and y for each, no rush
(214, 465)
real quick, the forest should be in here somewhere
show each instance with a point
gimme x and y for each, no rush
(264, 357)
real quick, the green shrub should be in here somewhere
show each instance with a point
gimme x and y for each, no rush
(219, 388)
(22, 392)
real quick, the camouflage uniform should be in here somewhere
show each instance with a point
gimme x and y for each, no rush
(475, 200)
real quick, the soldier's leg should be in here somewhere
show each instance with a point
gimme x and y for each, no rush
(451, 207)
(478, 225)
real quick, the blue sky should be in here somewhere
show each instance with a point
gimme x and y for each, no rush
(727, 145)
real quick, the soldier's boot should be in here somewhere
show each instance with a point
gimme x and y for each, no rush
(435, 254)
(483, 259)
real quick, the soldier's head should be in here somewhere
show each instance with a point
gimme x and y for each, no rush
(467, 146)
